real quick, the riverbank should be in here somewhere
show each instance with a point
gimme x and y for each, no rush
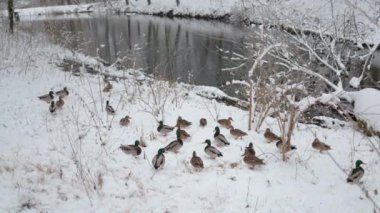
(70, 161)
(298, 14)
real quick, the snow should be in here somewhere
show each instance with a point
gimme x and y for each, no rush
(53, 10)
(367, 106)
(53, 161)
(355, 82)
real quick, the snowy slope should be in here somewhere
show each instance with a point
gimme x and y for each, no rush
(367, 106)
(56, 162)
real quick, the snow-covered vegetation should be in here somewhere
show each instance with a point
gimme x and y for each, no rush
(69, 159)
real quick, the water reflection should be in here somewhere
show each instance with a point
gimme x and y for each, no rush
(172, 48)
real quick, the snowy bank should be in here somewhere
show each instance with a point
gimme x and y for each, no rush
(53, 10)
(302, 14)
(70, 161)
(367, 106)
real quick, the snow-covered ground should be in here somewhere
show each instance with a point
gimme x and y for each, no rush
(54, 10)
(70, 161)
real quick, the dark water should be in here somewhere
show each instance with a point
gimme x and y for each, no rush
(174, 49)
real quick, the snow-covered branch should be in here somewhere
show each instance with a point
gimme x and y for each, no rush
(261, 55)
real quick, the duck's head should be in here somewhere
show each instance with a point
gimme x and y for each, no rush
(229, 118)
(358, 163)
(51, 93)
(179, 118)
(178, 133)
(250, 145)
(194, 154)
(108, 103)
(208, 142)
(267, 130)
(217, 129)
(65, 88)
(161, 122)
(161, 151)
(52, 103)
(137, 143)
(127, 117)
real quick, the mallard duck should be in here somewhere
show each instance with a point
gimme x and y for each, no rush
(164, 129)
(62, 93)
(182, 122)
(202, 122)
(196, 161)
(175, 145)
(48, 97)
(357, 173)
(226, 123)
(125, 121)
(270, 136)
(284, 147)
(109, 109)
(134, 150)
(107, 87)
(159, 159)
(183, 134)
(251, 160)
(60, 103)
(318, 145)
(212, 151)
(219, 138)
(250, 149)
(237, 133)
(52, 107)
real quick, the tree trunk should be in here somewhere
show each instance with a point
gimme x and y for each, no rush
(177, 2)
(149, 2)
(10, 14)
(127, 2)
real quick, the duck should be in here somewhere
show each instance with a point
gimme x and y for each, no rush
(212, 151)
(202, 122)
(48, 97)
(133, 149)
(226, 123)
(196, 161)
(109, 109)
(164, 129)
(250, 149)
(318, 145)
(183, 134)
(357, 173)
(62, 93)
(175, 145)
(108, 87)
(237, 133)
(219, 138)
(182, 122)
(159, 159)
(285, 147)
(125, 121)
(60, 103)
(52, 107)
(270, 136)
(251, 160)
